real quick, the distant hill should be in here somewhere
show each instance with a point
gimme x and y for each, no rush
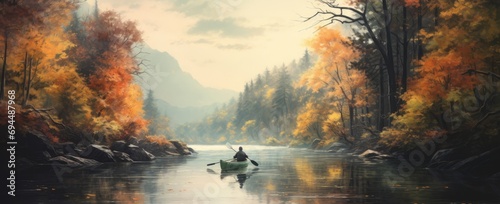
(176, 87)
(179, 116)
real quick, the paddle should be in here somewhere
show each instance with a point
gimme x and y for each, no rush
(231, 147)
(212, 163)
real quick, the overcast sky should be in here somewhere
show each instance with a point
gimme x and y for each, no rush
(221, 43)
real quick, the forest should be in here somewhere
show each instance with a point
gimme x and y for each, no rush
(408, 72)
(395, 73)
(74, 76)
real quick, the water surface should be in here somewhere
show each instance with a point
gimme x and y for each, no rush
(283, 176)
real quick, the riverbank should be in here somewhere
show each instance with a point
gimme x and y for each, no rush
(40, 138)
(37, 149)
(435, 155)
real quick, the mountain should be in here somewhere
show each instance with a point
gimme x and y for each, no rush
(174, 86)
(179, 116)
(177, 93)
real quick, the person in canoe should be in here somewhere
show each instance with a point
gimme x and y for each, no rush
(240, 155)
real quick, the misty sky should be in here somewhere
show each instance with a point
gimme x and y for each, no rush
(222, 43)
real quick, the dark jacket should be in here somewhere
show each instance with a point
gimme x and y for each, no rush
(240, 156)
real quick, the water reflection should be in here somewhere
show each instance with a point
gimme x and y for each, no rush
(239, 176)
(283, 176)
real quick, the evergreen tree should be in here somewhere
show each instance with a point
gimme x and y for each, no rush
(151, 113)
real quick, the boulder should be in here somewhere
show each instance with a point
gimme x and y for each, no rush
(483, 165)
(119, 145)
(457, 160)
(372, 154)
(73, 161)
(314, 143)
(181, 147)
(138, 154)
(133, 140)
(192, 150)
(66, 148)
(444, 159)
(153, 148)
(99, 153)
(36, 146)
(172, 153)
(133, 152)
(122, 156)
(338, 147)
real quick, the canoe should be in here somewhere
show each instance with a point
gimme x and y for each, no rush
(232, 164)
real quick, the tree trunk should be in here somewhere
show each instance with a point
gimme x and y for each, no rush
(390, 60)
(30, 79)
(4, 67)
(351, 120)
(420, 50)
(382, 101)
(404, 77)
(23, 91)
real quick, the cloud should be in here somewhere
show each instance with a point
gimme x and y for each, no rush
(234, 46)
(191, 8)
(202, 41)
(227, 27)
(206, 8)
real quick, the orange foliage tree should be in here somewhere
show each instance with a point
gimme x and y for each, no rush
(466, 41)
(118, 101)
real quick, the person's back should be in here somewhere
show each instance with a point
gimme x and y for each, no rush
(240, 155)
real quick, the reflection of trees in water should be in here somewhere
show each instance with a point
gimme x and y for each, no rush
(112, 182)
(318, 181)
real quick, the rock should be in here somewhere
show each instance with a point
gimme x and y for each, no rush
(153, 148)
(372, 154)
(444, 159)
(63, 161)
(181, 147)
(192, 150)
(139, 154)
(338, 147)
(122, 156)
(483, 165)
(119, 145)
(133, 140)
(342, 150)
(495, 176)
(36, 146)
(314, 143)
(99, 153)
(66, 148)
(172, 153)
(73, 161)
(134, 152)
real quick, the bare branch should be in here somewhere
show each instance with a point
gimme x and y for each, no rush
(486, 117)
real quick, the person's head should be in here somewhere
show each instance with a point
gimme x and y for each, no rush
(241, 148)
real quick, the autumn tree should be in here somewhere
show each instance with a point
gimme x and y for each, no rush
(359, 12)
(459, 61)
(34, 31)
(118, 98)
(343, 85)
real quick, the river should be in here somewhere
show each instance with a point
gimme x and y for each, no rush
(284, 175)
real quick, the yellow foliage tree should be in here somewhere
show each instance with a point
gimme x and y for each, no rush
(342, 84)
